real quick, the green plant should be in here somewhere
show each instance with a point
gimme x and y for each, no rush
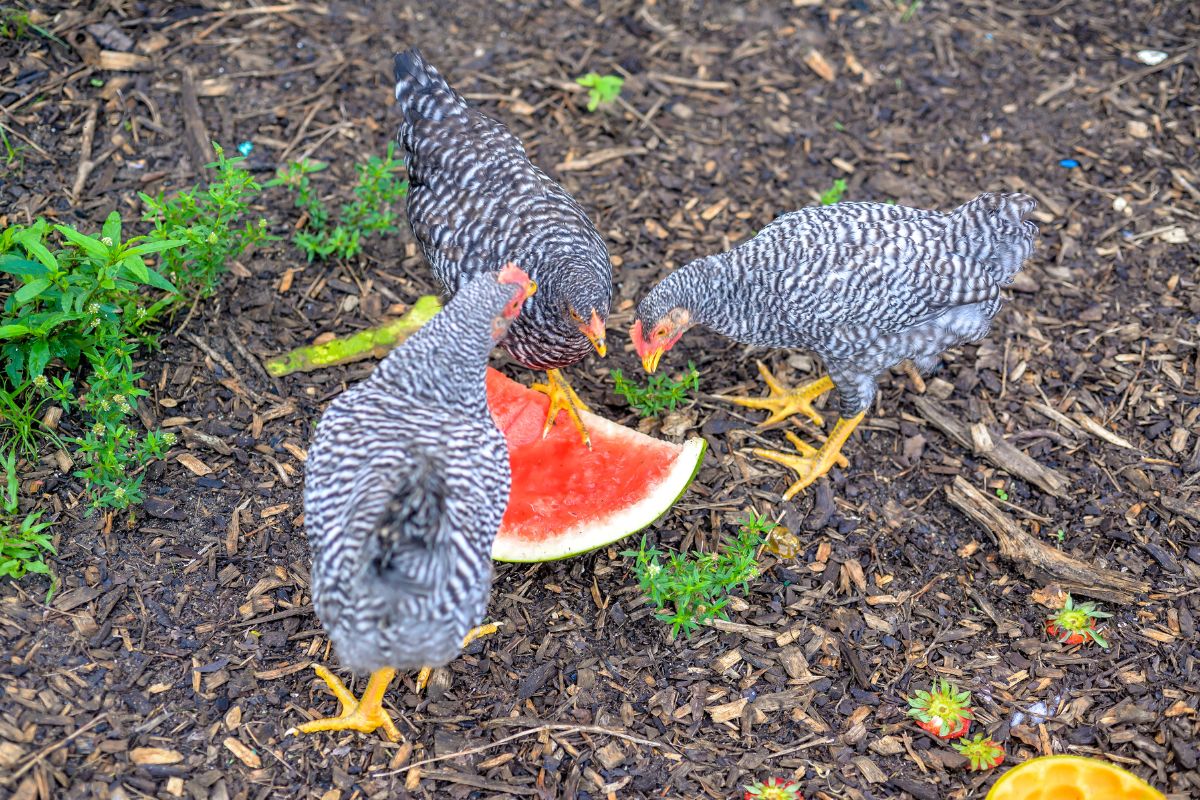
(13, 154)
(911, 10)
(207, 221)
(834, 193)
(23, 540)
(377, 190)
(662, 392)
(602, 89)
(690, 589)
(83, 306)
(1075, 623)
(1003, 495)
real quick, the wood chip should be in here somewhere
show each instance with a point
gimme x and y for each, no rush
(117, 61)
(243, 753)
(154, 755)
(599, 157)
(817, 63)
(1101, 432)
(194, 464)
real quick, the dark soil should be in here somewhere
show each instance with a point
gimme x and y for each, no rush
(187, 627)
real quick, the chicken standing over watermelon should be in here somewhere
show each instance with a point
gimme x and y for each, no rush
(475, 201)
(863, 285)
(406, 483)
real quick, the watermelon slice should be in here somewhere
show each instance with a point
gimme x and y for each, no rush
(567, 500)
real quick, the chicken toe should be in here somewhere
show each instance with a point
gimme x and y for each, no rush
(473, 634)
(365, 715)
(562, 398)
(812, 463)
(783, 401)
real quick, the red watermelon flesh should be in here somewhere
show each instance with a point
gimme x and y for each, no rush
(566, 499)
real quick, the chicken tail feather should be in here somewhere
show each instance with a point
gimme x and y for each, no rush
(409, 536)
(421, 91)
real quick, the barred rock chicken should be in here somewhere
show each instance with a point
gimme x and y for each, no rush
(475, 201)
(863, 285)
(407, 480)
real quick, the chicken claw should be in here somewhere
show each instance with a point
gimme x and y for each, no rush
(783, 401)
(813, 463)
(472, 635)
(365, 715)
(562, 398)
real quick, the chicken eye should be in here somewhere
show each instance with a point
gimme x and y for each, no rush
(574, 315)
(659, 333)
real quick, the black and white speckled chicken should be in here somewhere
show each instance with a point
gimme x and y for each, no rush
(406, 482)
(475, 201)
(863, 285)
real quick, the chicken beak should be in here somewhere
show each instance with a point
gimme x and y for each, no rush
(594, 331)
(651, 359)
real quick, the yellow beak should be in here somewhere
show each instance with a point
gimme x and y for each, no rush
(594, 331)
(651, 359)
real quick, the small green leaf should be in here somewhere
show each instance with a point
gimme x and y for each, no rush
(91, 246)
(39, 357)
(13, 331)
(15, 265)
(30, 291)
(112, 227)
(156, 246)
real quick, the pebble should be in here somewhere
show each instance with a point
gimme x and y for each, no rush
(1151, 58)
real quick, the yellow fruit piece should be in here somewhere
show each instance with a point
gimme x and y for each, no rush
(1071, 778)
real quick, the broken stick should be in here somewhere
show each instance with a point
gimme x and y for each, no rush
(992, 446)
(1032, 555)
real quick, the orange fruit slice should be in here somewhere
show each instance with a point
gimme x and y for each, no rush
(1071, 778)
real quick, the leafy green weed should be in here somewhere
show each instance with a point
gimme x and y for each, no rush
(661, 393)
(691, 589)
(371, 212)
(602, 89)
(834, 193)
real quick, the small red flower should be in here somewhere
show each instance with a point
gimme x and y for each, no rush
(773, 789)
(1076, 624)
(981, 752)
(943, 711)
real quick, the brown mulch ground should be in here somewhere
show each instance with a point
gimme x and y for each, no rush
(186, 633)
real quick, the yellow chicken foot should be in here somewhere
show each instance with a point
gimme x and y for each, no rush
(783, 401)
(472, 635)
(562, 398)
(813, 463)
(365, 715)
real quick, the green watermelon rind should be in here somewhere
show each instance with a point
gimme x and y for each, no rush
(595, 535)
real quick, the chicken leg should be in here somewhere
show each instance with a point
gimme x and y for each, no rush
(562, 398)
(367, 715)
(363, 715)
(783, 402)
(813, 463)
(472, 635)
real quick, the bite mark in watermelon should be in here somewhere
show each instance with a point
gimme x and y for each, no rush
(566, 499)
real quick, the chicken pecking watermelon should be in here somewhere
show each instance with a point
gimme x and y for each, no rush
(566, 499)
